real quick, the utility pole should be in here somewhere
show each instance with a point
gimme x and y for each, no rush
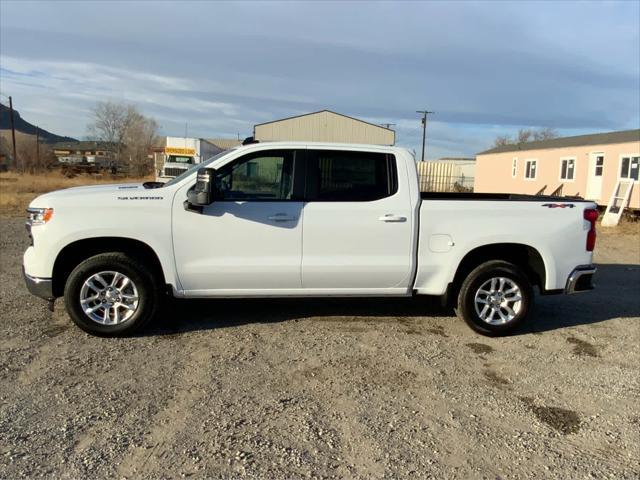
(424, 127)
(37, 147)
(13, 131)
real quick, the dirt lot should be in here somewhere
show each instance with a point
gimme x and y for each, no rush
(310, 388)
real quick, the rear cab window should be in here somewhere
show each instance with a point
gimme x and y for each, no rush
(350, 176)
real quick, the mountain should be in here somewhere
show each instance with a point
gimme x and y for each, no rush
(21, 125)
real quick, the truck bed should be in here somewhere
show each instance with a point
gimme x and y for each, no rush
(518, 197)
(449, 230)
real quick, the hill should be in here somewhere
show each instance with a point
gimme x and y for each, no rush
(21, 125)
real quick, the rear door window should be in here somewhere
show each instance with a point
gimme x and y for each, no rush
(348, 176)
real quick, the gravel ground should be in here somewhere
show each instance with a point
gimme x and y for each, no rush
(324, 388)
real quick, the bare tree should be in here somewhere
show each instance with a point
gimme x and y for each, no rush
(33, 157)
(5, 150)
(140, 137)
(130, 131)
(545, 134)
(110, 121)
(502, 140)
(525, 135)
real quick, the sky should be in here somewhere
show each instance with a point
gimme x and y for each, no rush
(217, 68)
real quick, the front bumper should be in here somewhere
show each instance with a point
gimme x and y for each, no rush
(580, 279)
(41, 287)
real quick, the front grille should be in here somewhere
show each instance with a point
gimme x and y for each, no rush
(173, 172)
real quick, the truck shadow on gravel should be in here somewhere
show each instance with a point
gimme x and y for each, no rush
(183, 316)
(616, 295)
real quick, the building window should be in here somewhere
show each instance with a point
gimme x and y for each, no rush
(514, 167)
(629, 167)
(599, 165)
(530, 169)
(567, 169)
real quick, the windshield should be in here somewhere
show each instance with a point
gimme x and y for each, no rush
(193, 168)
(179, 159)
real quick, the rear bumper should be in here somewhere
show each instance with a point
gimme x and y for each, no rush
(580, 279)
(40, 287)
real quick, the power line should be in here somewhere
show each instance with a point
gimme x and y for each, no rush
(424, 128)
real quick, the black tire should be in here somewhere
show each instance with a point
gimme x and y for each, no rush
(466, 308)
(149, 294)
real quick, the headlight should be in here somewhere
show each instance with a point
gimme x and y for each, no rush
(39, 216)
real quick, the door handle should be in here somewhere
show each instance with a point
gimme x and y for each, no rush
(281, 217)
(390, 217)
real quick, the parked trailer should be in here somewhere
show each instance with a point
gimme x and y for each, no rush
(181, 153)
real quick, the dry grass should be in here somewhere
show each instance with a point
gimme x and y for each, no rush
(17, 190)
(21, 138)
(625, 227)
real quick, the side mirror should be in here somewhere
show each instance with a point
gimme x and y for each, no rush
(204, 190)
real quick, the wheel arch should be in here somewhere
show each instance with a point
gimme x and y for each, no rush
(76, 252)
(522, 255)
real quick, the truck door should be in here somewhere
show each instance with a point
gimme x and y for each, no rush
(250, 239)
(357, 224)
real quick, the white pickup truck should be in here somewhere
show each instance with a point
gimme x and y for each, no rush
(303, 219)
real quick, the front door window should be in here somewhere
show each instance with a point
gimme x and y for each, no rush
(599, 165)
(258, 176)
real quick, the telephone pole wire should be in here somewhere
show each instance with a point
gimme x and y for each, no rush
(424, 128)
(13, 131)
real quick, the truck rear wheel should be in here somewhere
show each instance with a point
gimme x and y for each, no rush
(110, 295)
(495, 298)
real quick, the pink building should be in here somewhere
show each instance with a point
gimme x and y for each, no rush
(588, 166)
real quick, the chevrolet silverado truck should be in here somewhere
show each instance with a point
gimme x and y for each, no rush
(293, 219)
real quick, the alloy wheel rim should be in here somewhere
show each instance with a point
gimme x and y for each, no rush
(109, 298)
(498, 301)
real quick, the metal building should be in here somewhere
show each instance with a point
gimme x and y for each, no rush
(324, 126)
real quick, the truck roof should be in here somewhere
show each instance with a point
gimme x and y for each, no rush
(329, 145)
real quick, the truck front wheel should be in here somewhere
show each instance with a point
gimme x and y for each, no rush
(110, 295)
(495, 298)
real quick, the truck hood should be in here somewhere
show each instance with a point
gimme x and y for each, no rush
(90, 193)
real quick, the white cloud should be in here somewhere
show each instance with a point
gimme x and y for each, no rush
(486, 68)
(72, 88)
